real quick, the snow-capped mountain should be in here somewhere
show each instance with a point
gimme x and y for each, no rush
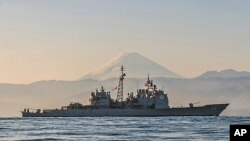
(136, 66)
(225, 74)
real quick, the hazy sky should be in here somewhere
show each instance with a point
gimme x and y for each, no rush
(65, 39)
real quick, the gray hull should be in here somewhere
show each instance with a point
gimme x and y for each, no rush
(208, 110)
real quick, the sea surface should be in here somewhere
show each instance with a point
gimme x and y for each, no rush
(119, 128)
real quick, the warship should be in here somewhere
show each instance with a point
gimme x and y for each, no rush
(149, 101)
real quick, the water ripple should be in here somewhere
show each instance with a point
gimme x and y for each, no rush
(118, 128)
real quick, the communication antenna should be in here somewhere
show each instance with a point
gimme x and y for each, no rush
(137, 84)
(119, 97)
(100, 83)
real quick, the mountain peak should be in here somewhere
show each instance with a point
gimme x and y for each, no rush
(228, 73)
(124, 54)
(136, 66)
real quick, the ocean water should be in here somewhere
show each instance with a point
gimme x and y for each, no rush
(119, 128)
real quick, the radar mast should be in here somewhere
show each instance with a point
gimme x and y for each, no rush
(120, 87)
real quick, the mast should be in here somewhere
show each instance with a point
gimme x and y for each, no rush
(119, 97)
(149, 83)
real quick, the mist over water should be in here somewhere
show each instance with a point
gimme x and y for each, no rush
(119, 128)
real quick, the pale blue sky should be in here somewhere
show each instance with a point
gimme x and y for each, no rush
(65, 39)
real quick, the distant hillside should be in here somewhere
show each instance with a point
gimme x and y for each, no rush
(225, 74)
(136, 66)
(54, 94)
